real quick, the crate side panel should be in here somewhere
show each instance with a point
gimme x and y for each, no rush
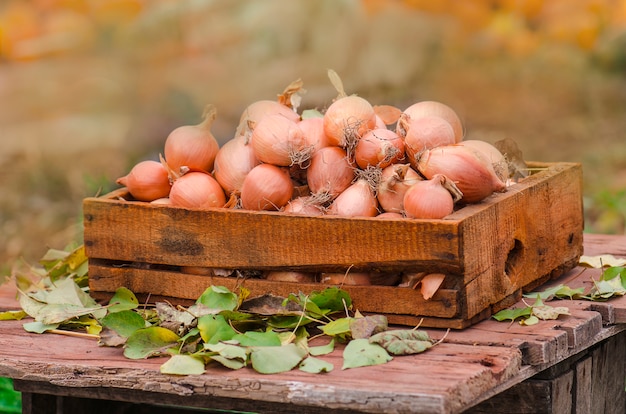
(534, 233)
(132, 231)
(370, 299)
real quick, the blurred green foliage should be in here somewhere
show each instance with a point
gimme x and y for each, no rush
(10, 400)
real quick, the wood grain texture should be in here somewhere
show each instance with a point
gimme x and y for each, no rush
(444, 379)
(490, 251)
(469, 367)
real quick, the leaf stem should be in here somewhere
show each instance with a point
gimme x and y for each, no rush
(74, 334)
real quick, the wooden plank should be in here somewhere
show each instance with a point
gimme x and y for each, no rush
(531, 397)
(584, 386)
(444, 304)
(608, 376)
(238, 239)
(442, 380)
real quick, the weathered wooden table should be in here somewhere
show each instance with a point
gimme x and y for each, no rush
(574, 364)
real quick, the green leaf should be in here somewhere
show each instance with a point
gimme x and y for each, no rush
(606, 289)
(215, 328)
(219, 297)
(229, 355)
(546, 294)
(149, 342)
(332, 299)
(322, 349)
(339, 327)
(403, 341)
(38, 327)
(615, 272)
(531, 320)
(252, 338)
(183, 365)
(124, 322)
(315, 365)
(287, 322)
(611, 272)
(275, 359)
(512, 314)
(12, 315)
(362, 353)
(568, 293)
(122, 300)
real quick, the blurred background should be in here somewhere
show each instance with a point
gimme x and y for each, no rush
(89, 87)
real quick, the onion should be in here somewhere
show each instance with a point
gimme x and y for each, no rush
(233, 162)
(379, 147)
(389, 215)
(472, 173)
(348, 118)
(491, 153)
(163, 201)
(358, 200)
(193, 146)
(428, 108)
(347, 278)
(330, 171)
(290, 276)
(147, 181)
(279, 141)
(424, 133)
(313, 130)
(197, 190)
(266, 187)
(305, 205)
(429, 199)
(396, 179)
(197, 270)
(286, 105)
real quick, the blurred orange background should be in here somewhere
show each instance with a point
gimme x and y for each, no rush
(88, 87)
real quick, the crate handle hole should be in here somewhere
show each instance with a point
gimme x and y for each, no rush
(511, 266)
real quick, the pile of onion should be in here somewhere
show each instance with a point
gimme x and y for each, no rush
(353, 159)
(313, 163)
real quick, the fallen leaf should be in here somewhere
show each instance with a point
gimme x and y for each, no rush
(512, 314)
(362, 353)
(149, 342)
(546, 312)
(315, 365)
(603, 260)
(183, 365)
(403, 341)
(275, 359)
(367, 326)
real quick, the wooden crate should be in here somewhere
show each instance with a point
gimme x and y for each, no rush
(490, 251)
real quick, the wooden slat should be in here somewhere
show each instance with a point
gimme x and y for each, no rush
(167, 283)
(441, 380)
